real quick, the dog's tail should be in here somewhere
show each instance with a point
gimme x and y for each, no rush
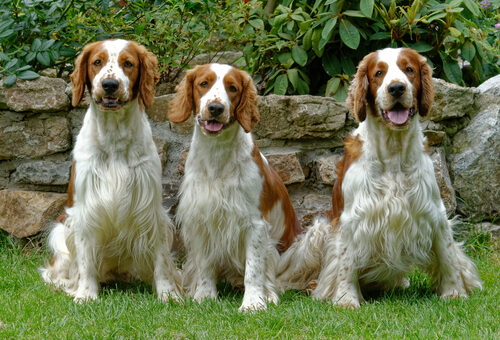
(300, 264)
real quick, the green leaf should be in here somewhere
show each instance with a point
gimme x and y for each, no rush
(43, 58)
(302, 87)
(421, 47)
(454, 32)
(11, 63)
(281, 84)
(332, 86)
(380, 36)
(472, 7)
(257, 23)
(30, 56)
(293, 77)
(341, 94)
(35, 45)
(66, 51)
(285, 58)
(47, 44)
(24, 68)
(356, 14)
(6, 34)
(451, 69)
(10, 80)
(299, 55)
(468, 51)
(331, 64)
(366, 7)
(347, 65)
(307, 40)
(327, 32)
(28, 75)
(349, 34)
(316, 38)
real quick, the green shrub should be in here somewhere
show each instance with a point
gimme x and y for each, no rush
(313, 46)
(36, 34)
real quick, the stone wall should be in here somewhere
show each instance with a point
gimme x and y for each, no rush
(300, 135)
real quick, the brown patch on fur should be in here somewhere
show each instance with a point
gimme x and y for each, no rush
(189, 91)
(421, 78)
(352, 148)
(85, 70)
(274, 191)
(71, 190)
(148, 72)
(358, 95)
(246, 111)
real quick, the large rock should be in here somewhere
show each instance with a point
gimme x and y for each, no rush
(295, 117)
(32, 137)
(312, 206)
(474, 164)
(443, 180)
(43, 173)
(452, 101)
(490, 92)
(326, 168)
(40, 95)
(25, 213)
(287, 166)
(158, 111)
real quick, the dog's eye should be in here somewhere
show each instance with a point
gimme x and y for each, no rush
(409, 69)
(378, 74)
(97, 62)
(233, 88)
(127, 64)
(204, 84)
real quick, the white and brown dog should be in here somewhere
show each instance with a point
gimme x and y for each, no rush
(114, 225)
(234, 210)
(387, 215)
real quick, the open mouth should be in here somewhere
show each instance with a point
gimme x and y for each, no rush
(211, 127)
(111, 102)
(398, 115)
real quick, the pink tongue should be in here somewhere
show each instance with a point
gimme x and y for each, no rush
(398, 117)
(213, 126)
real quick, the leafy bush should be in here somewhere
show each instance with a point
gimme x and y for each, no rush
(313, 47)
(36, 34)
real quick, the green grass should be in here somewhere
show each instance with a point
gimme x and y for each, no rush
(30, 309)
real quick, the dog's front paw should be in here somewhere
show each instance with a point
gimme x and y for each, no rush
(346, 301)
(84, 295)
(204, 293)
(170, 295)
(252, 304)
(455, 291)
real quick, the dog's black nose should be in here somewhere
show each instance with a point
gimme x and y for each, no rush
(396, 89)
(215, 109)
(110, 85)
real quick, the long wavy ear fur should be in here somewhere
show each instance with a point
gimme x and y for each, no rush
(149, 76)
(79, 77)
(426, 95)
(247, 112)
(181, 107)
(358, 90)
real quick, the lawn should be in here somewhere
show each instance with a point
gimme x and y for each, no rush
(30, 309)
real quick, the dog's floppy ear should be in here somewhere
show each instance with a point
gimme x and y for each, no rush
(426, 95)
(181, 107)
(358, 90)
(149, 76)
(247, 112)
(79, 77)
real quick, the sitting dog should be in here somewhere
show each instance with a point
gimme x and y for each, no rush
(114, 225)
(234, 210)
(387, 215)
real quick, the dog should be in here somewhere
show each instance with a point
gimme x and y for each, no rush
(234, 210)
(114, 225)
(387, 215)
